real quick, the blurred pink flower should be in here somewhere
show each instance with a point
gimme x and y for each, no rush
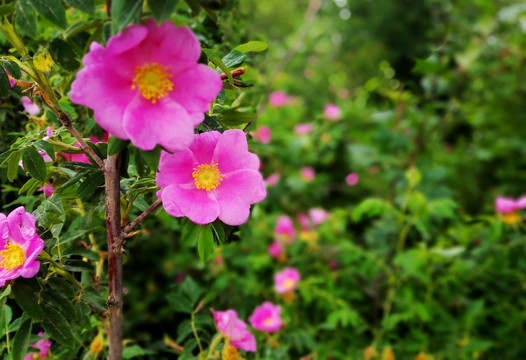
(275, 249)
(263, 135)
(352, 179)
(216, 177)
(333, 264)
(272, 179)
(235, 329)
(303, 129)
(47, 190)
(318, 216)
(284, 230)
(266, 317)
(49, 133)
(29, 106)
(332, 112)
(147, 86)
(286, 280)
(82, 157)
(278, 99)
(304, 222)
(21, 245)
(43, 345)
(307, 174)
(509, 205)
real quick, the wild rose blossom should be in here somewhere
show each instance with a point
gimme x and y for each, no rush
(20, 245)
(275, 249)
(307, 174)
(147, 86)
(216, 177)
(278, 99)
(47, 190)
(507, 205)
(352, 179)
(318, 216)
(43, 345)
(29, 106)
(266, 317)
(303, 129)
(284, 229)
(332, 112)
(235, 329)
(286, 280)
(263, 135)
(272, 179)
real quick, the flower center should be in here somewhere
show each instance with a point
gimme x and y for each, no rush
(12, 257)
(511, 218)
(153, 81)
(207, 176)
(268, 321)
(287, 284)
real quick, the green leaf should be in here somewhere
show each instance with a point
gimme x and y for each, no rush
(45, 147)
(195, 6)
(252, 46)
(34, 163)
(25, 19)
(83, 312)
(234, 58)
(71, 181)
(236, 118)
(61, 303)
(8, 9)
(5, 86)
(31, 183)
(21, 340)
(152, 158)
(216, 60)
(13, 69)
(206, 244)
(95, 300)
(90, 184)
(115, 145)
(61, 286)
(370, 207)
(88, 254)
(57, 326)
(219, 231)
(162, 9)
(190, 233)
(135, 350)
(88, 6)
(63, 55)
(191, 289)
(26, 298)
(124, 12)
(413, 176)
(78, 266)
(180, 303)
(51, 10)
(12, 165)
(50, 211)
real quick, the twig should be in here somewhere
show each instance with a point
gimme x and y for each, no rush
(140, 218)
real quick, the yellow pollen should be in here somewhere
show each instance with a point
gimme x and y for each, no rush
(12, 257)
(288, 283)
(153, 81)
(207, 176)
(511, 218)
(268, 321)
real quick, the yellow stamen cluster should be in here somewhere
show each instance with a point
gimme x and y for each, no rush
(268, 321)
(230, 353)
(511, 218)
(207, 176)
(12, 256)
(153, 81)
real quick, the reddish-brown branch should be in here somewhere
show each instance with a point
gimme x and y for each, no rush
(140, 218)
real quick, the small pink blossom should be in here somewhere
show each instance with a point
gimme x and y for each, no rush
(318, 216)
(82, 157)
(286, 280)
(352, 179)
(29, 106)
(43, 345)
(266, 317)
(303, 129)
(333, 264)
(146, 85)
(304, 222)
(263, 135)
(509, 205)
(332, 112)
(307, 174)
(20, 245)
(275, 249)
(278, 99)
(235, 329)
(284, 230)
(47, 190)
(216, 177)
(49, 133)
(272, 179)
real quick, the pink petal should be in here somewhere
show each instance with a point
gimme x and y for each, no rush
(246, 184)
(176, 168)
(204, 145)
(30, 269)
(127, 39)
(231, 152)
(198, 205)
(248, 343)
(233, 210)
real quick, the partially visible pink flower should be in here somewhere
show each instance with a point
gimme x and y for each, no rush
(333, 264)
(12, 80)
(508, 205)
(146, 85)
(20, 245)
(228, 324)
(29, 106)
(44, 155)
(304, 222)
(180, 277)
(318, 216)
(307, 174)
(216, 177)
(272, 179)
(332, 112)
(352, 179)
(263, 135)
(275, 249)
(47, 190)
(284, 230)
(286, 280)
(278, 99)
(303, 129)
(82, 157)
(266, 317)
(43, 345)
(49, 133)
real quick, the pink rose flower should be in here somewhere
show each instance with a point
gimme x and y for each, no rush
(304, 222)
(508, 205)
(284, 230)
(49, 133)
(352, 179)
(263, 135)
(147, 86)
(82, 157)
(266, 317)
(272, 179)
(47, 190)
(286, 280)
(278, 99)
(318, 216)
(29, 106)
(216, 177)
(43, 345)
(332, 112)
(275, 249)
(20, 245)
(307, 174)
(235, 329)
(303, 129)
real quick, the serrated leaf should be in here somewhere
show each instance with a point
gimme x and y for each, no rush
(206, 244)
(61, 286)
(25, 19)
(51, 10)
(191, 289)
(13, 69)
(5, 86)
(236, 118)
(63, 55)
(90, 184)
(162, 9)
(45, 147)
(116, 145)
(27, 300)
(61, 303)
(234, 58)
(57, 326)
(180, 303)
(252, 46)
(34, 163)
(87, 6)
(95, 300)
(21, 340)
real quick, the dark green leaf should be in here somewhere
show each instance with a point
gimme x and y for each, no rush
(90, 184)
(5, 86)
(162, 9)
(252, 46)
(50, 211)
(31, 183)
(34, 163)
(216, 60)
(61, 286)
(51, 10)
(7, 9)
(12, 165)
(195, 6)
(61, 303)
(71, 181)
(152, 158)
(88, 254)
(21, 340)
(133, 351)
(96, 150)
(45, 147)
(180, 303)
(214, 4)
(206, 244)
(191, 289)
(88, 6)
(217, 227)
(234, 58)
(190, 233)
(211, 124)
(26, 298)
(124, 12)
(115, 145)
(95, 300)
(13, 69)
(57, 326)
(83, 312)
(78, 266)
(235, 118)
(25, 19)
(63, 55)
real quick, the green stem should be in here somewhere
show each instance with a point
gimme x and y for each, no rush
(195, 333)
(217, 339)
